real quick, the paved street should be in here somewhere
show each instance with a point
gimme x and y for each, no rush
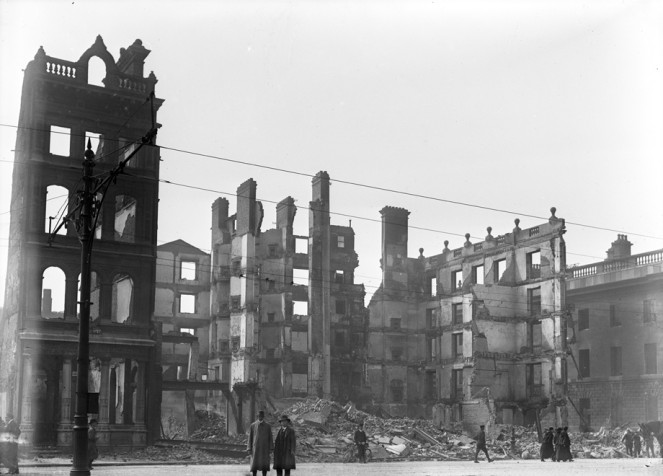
(506, 468)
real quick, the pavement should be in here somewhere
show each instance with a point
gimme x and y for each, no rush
(602, 467)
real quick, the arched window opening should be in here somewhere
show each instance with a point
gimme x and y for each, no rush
(53, 287)
(95, 293)
(123, 291)
(57, 206)
(96, 71)
(125, 218)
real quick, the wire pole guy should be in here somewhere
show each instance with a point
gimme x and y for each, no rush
(81, 465)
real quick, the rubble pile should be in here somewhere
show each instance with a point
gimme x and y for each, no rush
(209, 426)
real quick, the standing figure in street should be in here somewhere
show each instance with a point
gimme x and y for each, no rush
(361, 441)
(10, 436)
(260, 444)
(547, 446)
(649, 445)
(92, 450)
(481, 444)
(637, 445)
(566, 445)
(284, 447)
(628, 441)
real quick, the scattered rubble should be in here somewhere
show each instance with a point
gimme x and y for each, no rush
(325, 432)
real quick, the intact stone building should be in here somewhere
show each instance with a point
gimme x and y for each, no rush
(473, 334)
(287, 318)
(60, 111)
(616, 374)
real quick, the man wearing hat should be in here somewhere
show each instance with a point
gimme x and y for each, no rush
(260, 444)
(284, 447)
(481, 444)
(547, 446)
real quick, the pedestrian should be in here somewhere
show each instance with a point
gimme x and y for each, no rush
(557, 443)
(92, 450)
(628, 441)
(481, 444)
(361, 441)
(11, 434)
(260, 444)
(284, 447)
(637, 445)
(547, 446)
(649, 444)
(566, 445)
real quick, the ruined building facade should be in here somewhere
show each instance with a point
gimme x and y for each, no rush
(286, 320)
(60, 112)
(473, 334)
(616, 338)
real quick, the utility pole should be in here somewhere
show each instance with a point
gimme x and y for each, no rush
(81, 466)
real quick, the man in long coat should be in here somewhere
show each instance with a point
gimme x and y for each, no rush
(284, 447)
(260, 444)
(547, 446)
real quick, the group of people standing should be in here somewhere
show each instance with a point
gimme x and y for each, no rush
(261, 444)
(633, 442)
(9, 433)
(556, 445)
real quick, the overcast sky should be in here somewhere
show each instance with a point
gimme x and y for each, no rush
(513, 105)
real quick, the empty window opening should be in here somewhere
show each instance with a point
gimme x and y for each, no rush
(457, 313)
(96, 71)
(583, 319)
(98, 218)
(583, 363)
(271, 317)
(499, 267)
(534, 301)
(125, 219)
(614, 318)
(126, 148)
(52, 293)
(340, 307)
(457, 383)
(457, 344)
(339, 276)
(95, 293)
(431, 318)
(534, 264)
(300, 308)
(648, 310)
(651, 365)
(397, 391)
(123, 290)
(300, 277)
(57, 207)
(301, 244)
(432, 349)
(188, 330)
(585, 409)
(60, 141)
(615, 361)
(432, 286)
(397, 353)
(187, 303)
(535, 336)
(97, 145)
(477, 274)
(651, 406)
(456, 280)
(188, 270)
(340, 241)
(534, 381)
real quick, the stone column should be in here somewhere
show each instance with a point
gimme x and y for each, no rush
(64, 427)
(103, 432)
(140, 432)
(26, 404)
